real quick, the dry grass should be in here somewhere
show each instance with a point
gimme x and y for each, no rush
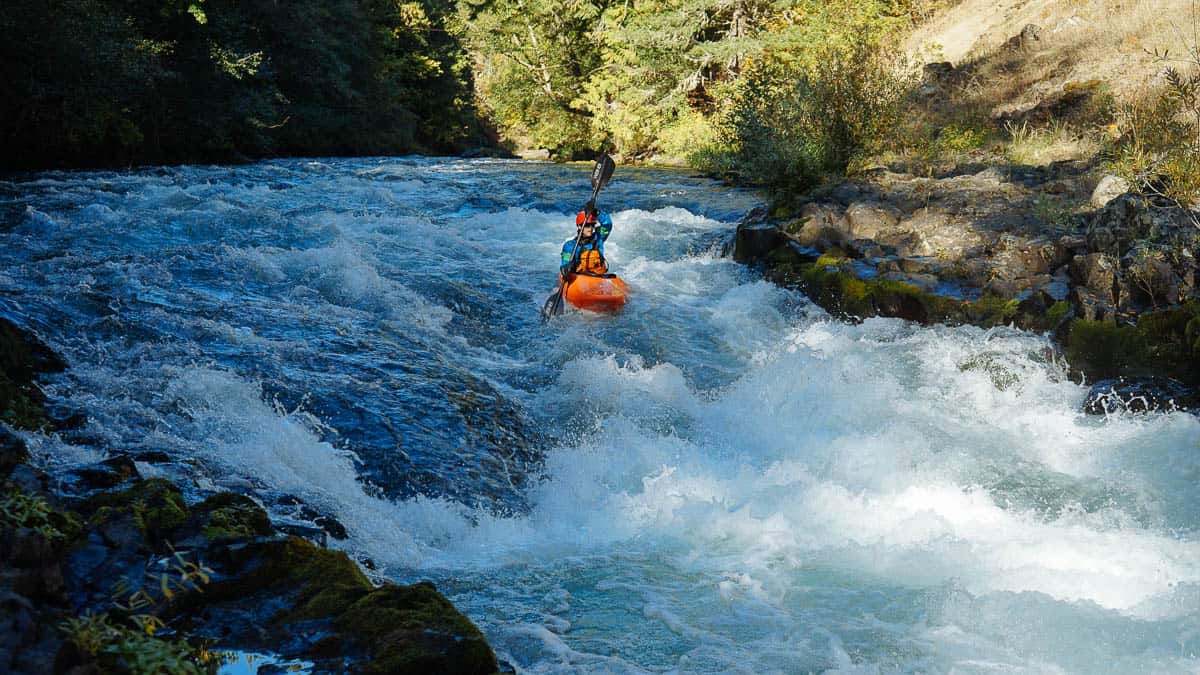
(1111, 40)
(1055, 142)
(1009, 93)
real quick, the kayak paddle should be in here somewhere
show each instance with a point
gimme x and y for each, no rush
(600, 175)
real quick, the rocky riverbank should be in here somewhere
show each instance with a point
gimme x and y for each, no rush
(103, 570)
(1116, 285)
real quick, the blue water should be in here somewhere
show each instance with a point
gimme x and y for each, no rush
(719, 478)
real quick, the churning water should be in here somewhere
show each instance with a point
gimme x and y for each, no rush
(720, 478)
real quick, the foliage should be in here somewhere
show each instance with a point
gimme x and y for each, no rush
(131, 632)
(94, 82)
(1054, 212)
(792, 120)
(19, 509)
(534, 58)
(108, 644)
(1158, 149)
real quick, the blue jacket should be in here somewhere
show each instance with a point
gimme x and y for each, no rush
(603, 228)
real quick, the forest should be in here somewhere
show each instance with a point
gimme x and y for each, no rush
(121, 82)
(775, 93)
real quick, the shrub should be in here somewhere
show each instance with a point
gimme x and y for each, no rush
(789, 121)
(1158, 149)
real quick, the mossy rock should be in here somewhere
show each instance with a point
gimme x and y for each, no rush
(415, 629)
(320, 583)
(1057, 313)
(227, 516)
(13, 452)
(991, 310)
(398, 629)
(157, 506)
(1160, 343)
(21, 407)
(23, 358)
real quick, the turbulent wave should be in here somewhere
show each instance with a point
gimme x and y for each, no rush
(720, 478)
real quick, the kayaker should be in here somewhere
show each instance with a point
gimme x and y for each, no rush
(592, 228)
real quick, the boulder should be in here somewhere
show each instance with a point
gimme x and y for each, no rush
(1129, 218)
(816, 225)
(1029, 36)
(1092, 307)
(755, 241)
(1109, 188)
(1096, 273)
(867, 220)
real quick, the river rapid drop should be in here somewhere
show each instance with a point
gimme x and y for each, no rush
(720, 478)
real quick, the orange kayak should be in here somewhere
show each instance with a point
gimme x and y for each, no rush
(594, 292)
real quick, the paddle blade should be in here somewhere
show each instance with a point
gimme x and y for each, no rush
(553, 305)
(602, 172)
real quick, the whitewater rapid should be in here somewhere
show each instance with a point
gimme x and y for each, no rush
(720, 478)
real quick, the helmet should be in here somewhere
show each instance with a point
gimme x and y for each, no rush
(580, 218)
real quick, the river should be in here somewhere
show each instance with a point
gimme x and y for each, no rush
(719, 478)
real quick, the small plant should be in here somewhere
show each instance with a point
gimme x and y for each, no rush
(130, 633)
(1158, 150)
(20, 509)
(1054, 213)
(89, 633)
(95, 636)
(174, 574)
(960, 139)
(1144, 269)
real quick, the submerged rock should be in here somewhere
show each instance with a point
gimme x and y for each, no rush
(1140, 394)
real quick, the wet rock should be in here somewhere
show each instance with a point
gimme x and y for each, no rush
(224, 517)
(101, 476)
(1140, 394)
(12, 452)
(332, 613)
(155, 505)
(23, 358)
(153, 457)
(755, 242)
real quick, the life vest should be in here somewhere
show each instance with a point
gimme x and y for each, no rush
(591, 261)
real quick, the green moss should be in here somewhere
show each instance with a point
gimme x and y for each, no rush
(1098, 347)
(991, 310)
(1057, 312)
(228, 515)
(403, 629)
(412, 629)
(329, 580)
(832, 257)
(794, 226)
(1160, 343)
(156, 503)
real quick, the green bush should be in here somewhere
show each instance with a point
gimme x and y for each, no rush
(1158, 150)
(792, 121)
